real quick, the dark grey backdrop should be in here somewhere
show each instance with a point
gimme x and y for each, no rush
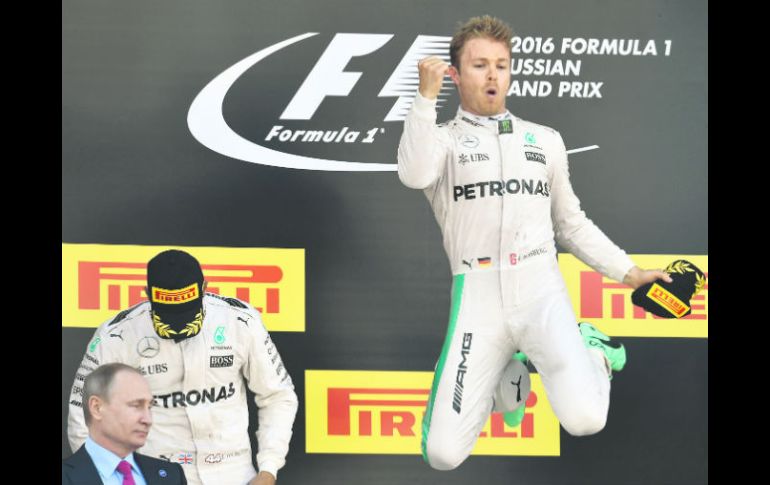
(377, 277)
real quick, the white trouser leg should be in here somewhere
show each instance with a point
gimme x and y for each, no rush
(574, 378)
(469, 368)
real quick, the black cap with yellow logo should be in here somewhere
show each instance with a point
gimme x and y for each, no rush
(671, 300)
(175, 283)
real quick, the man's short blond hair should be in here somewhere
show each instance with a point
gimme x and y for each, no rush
(485, 26)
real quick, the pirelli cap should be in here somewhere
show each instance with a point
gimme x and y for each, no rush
(175, 285)
(671, 300)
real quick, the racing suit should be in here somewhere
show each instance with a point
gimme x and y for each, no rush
(500, 191)
(200, 415)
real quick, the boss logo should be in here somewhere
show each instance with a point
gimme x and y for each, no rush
(535, 157)
(221, 361)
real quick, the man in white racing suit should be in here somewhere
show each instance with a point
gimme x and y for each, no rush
(195, 350)
(500, 191)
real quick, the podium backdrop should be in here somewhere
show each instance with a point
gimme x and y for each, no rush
(262, 134)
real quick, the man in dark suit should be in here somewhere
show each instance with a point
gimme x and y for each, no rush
(116, 406)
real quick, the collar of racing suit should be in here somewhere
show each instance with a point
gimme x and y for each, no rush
(489, 122)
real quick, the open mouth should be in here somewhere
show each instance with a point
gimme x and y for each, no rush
(491, 92)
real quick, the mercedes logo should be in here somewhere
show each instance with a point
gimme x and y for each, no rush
(469, 141)
(148, 347)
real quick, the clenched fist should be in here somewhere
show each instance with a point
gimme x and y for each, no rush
(432, 71)
(263, 478)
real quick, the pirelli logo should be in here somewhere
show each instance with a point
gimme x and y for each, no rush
(608, 303)
(667, 300)
(99, 280)
(372, 412)
(175, 297)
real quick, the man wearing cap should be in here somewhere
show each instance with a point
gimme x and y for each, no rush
(195, 349)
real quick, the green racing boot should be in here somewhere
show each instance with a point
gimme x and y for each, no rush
(595, 339)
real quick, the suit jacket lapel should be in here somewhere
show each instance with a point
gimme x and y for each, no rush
(151, 468)
(80, 467)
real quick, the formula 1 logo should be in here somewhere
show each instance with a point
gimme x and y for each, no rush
(304, 129)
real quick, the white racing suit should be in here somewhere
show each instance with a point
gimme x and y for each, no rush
(500, 195)
(200, 415)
